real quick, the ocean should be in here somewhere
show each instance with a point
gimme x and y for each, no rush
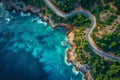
(31, 50)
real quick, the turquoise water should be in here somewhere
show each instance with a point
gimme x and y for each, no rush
(32, 50)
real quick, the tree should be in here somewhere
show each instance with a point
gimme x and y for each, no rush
(113, 44)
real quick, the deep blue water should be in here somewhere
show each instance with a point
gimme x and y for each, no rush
(32, 50)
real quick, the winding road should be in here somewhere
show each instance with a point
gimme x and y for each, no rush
(92, 26)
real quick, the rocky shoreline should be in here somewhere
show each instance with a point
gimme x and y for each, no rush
(71, 56)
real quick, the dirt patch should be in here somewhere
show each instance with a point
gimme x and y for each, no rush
(107, 28)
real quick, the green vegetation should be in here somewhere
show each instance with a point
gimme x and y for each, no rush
(100, 69)
(64, 5)
(80, 21)
(117, 4)
(77, 20)
(111, 42)
(107, 1)
(110, 19)
(36, 3)
(68, 6)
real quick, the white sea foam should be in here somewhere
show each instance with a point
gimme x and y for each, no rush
(66, 39)
(69, 64)
(39, 21)
(45, 23)
(7, 19)
(83, 76)
(75, 71)
(22, 14)
(28, 14)
(63, 43)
